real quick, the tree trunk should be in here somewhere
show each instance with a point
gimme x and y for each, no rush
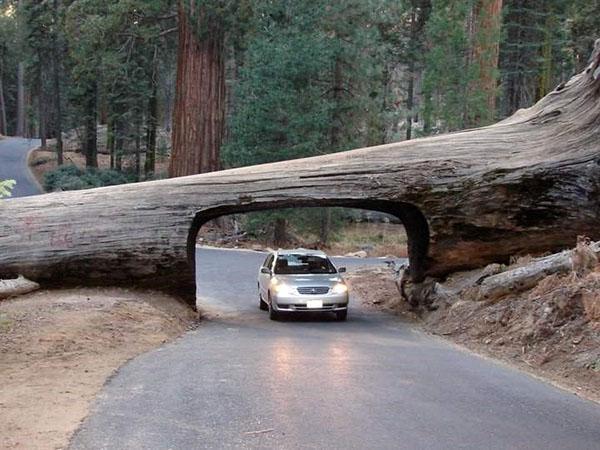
(529, 184)
(42, 110)
(199, 115)
(410, 96)
(21, 113)
(58, 115)
(110, 139)
(119, 142)
(138, 146)
(334, 140)
(280, 237)
(57, 54)
(91, 132)
(43, 121)
(168, 88)
(150, 163)
(485, 37)
(3, 123)
(325, 226)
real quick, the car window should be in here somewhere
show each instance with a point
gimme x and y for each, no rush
(269, 261)
(296, 264)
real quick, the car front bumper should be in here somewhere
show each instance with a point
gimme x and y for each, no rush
(299, 303)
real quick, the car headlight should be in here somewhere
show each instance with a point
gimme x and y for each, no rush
(281, 288)
(339, 288)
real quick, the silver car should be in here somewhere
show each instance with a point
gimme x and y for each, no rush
(301, 280)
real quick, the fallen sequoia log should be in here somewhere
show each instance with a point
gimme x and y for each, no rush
(528, 184)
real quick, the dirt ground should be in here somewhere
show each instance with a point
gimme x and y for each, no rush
(551, 331)
(58, 348)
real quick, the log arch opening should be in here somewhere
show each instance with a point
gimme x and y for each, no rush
(411, 217)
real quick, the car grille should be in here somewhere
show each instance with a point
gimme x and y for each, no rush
(313, 290)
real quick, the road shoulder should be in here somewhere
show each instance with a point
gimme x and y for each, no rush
(58, 348)
(565, 356)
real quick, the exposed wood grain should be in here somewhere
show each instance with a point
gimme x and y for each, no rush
(528, 184)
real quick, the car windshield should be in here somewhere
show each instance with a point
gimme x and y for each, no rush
(295, 264)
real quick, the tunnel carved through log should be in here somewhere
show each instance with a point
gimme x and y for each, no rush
(528, 184)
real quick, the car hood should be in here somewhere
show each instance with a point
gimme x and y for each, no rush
(328, 279)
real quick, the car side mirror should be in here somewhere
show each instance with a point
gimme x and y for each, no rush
(342, 270)
(265, 270)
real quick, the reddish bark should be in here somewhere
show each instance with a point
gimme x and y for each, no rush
(199, 113)
(487, 18)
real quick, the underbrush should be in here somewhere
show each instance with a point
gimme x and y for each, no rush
(72, 178)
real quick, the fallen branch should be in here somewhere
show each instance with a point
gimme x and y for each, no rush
(17, 286)
(252, 433)
(526, 277)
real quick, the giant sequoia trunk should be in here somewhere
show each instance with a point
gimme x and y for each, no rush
(529, 184)
(199, 116)
(486, 48)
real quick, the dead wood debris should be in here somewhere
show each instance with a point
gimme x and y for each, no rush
(16, 286)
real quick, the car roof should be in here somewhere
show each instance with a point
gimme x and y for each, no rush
(300, 251)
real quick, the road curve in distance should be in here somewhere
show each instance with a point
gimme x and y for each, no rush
(13, 165)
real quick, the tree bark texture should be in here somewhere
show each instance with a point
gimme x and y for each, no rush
(3, 123)
(21, 116)
(199, 113)
(280, 237)
(152, 122)
(410, 95)
(528, 184)
(57, 54)
(487, 16)
(42, 111)
(91, 122)
(110, 139)
(120, 132)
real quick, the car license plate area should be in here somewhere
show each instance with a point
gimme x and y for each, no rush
(314, 304)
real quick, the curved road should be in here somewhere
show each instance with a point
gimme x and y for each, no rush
(242, 381)
(13, 165)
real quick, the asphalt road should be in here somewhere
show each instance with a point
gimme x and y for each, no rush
(243, 381)
(13, 165)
